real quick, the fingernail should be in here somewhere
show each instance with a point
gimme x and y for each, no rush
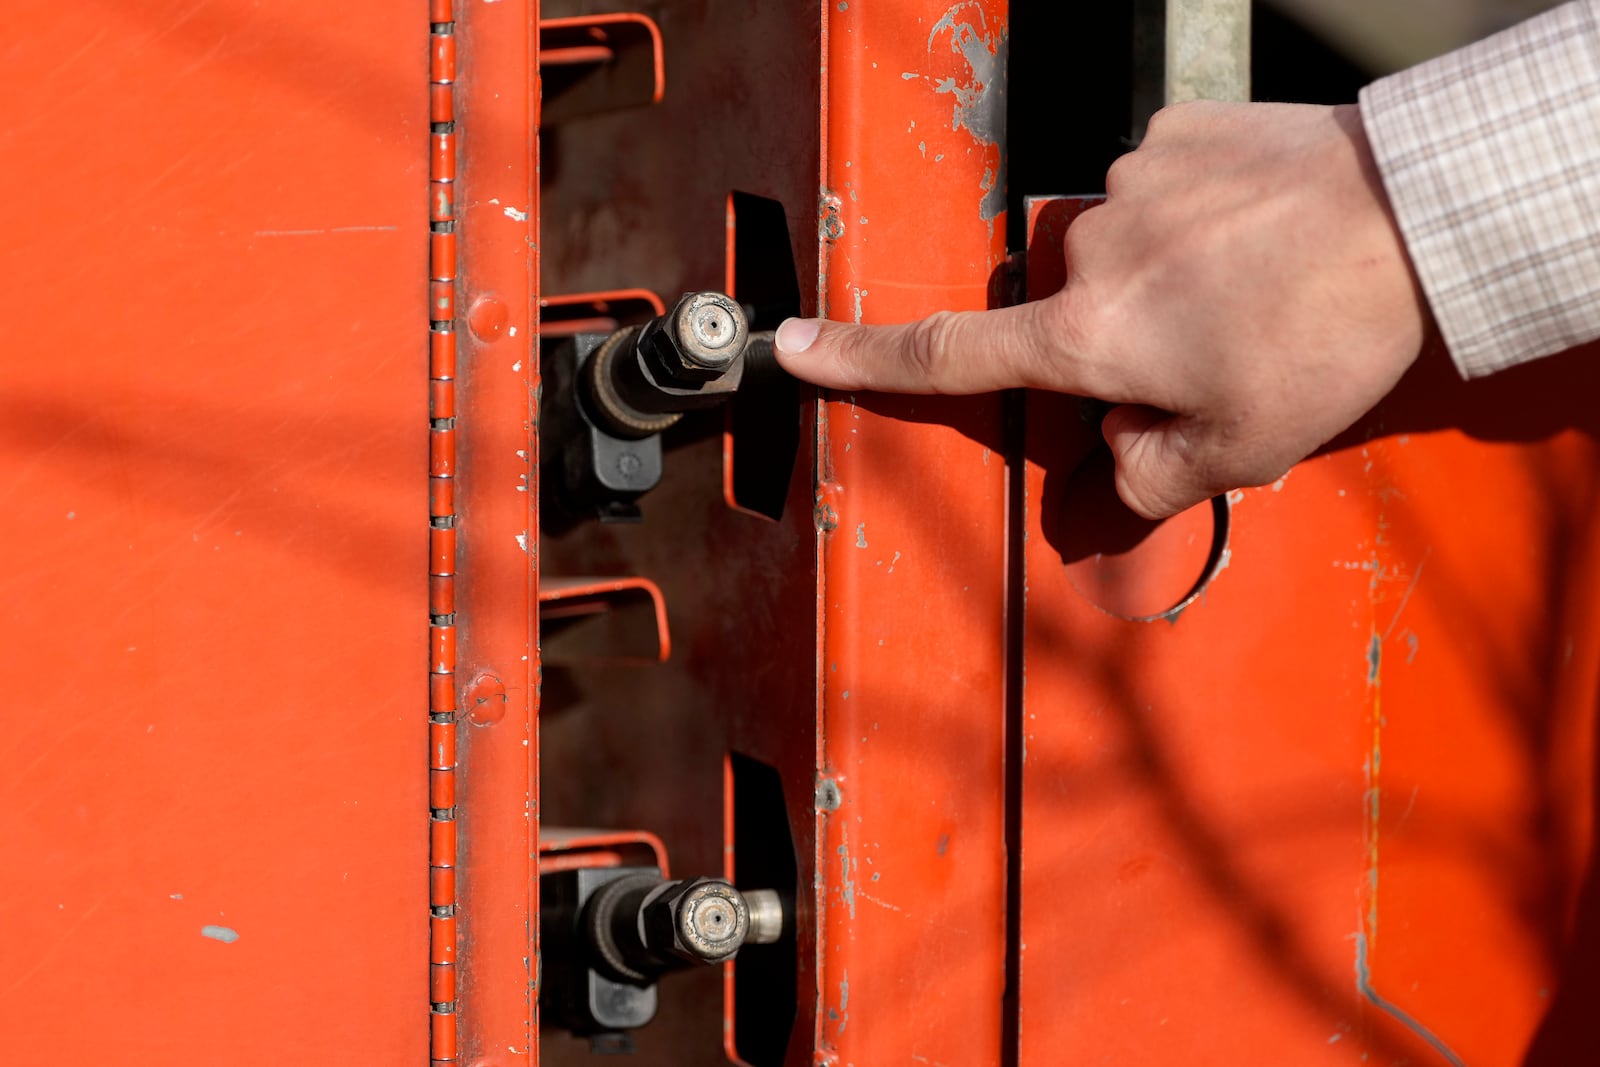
(795, 335)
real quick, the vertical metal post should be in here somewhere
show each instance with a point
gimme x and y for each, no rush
(1189, 50)
(1207, 50)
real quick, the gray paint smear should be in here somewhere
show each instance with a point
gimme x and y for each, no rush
(980, 106)
(227, 935)
(1394, 1011)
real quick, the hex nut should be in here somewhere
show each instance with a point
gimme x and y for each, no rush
(698, 339)
(702, 920)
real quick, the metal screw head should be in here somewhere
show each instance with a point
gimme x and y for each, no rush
(699, 338)
(711, 919)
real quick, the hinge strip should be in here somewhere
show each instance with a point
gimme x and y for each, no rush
(442, 708)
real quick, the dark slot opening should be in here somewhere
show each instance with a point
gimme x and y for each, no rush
(765, 977)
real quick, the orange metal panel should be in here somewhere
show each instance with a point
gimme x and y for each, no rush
(213, 445)
(911, 504)
(497, 665)
(1338, 809)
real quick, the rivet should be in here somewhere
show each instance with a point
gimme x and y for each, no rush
(488, 319)
(485, 700)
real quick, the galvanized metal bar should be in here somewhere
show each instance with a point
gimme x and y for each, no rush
(1207, 50)
(1188, 50)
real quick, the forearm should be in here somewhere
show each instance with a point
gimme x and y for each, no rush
(1491, 160)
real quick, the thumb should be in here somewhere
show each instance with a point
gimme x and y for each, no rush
(1157, 469)
(948, 352)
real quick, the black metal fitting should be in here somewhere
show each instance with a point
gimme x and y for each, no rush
(608, 398)
(699, 339)
(610, 933)
(642, 378)
(641, 927)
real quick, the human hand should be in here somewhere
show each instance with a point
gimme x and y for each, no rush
(1242, 296)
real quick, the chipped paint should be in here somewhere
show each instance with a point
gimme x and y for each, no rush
(847, 886)
(226, 934)
(830, 224)
(861, 535)
(829, 796)
(980, 103)
(514, 215)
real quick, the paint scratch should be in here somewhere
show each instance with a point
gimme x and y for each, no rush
(847, 886)
(335, 229)
(1394, 1011)
(1416, 576)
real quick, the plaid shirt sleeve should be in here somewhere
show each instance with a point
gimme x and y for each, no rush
(1491, 158)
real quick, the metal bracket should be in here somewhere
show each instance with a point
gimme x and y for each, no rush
(596, 63)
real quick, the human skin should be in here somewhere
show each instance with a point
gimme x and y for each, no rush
(1241, 297)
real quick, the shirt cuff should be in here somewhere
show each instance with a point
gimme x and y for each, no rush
(1491, 159)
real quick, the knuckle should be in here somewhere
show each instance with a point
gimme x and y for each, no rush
(1122, 171)
(1084, 237)
(1172, 118)
(928, 346)
(1158, 121)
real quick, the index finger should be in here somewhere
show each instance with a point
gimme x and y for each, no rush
(947, 352)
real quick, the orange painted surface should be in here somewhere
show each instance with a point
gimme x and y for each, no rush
(497, 326)
(212, 440)
(911, 508)
(1339, 809)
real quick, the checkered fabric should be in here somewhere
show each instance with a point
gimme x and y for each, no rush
(1491, 157)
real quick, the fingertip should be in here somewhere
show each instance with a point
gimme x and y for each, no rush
(795, 336)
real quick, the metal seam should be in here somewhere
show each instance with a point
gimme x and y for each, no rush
(442, 530)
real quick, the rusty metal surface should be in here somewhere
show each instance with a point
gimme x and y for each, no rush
(1351, 787)
(213, 437)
